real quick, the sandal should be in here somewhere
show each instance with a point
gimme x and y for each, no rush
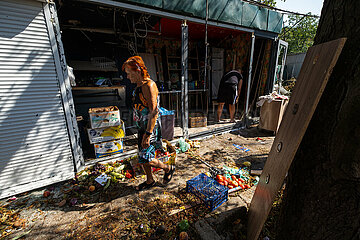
(145, 185)
(168, 175)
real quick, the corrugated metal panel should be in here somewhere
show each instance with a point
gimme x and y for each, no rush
(231, 12)
(34, 141)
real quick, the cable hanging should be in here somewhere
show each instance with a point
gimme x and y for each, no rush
(253, 2)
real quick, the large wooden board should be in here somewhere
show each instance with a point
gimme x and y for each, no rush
(313, 77)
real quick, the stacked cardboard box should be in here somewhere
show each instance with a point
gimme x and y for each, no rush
(107, 131)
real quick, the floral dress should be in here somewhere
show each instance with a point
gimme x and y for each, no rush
(140, 114)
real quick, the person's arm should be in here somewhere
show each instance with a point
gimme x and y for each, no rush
(150, 92)
(239, 86)
(239, 89)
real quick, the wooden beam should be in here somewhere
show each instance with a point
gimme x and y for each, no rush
(98, 88)
(313, 77)
(88, 29)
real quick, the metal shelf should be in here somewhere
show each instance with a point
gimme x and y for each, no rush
(88, 66)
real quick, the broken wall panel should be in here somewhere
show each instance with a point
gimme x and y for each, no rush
(313, 77)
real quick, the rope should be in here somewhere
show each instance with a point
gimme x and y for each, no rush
(252, 2)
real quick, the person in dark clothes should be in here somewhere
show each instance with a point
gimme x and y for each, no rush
(229, 90)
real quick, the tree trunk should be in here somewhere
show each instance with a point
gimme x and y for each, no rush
(322, 197)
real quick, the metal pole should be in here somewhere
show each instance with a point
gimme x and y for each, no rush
(206, 42)
(184, 78)
(276, 62)
(249, 78)
(281, 78)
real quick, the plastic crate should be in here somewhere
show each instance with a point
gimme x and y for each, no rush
(210, 192)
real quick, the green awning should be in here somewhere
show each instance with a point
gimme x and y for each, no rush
(227, 11)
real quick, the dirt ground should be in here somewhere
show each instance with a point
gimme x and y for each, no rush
(125, 213)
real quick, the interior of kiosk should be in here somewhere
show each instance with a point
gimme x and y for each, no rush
(97, 40)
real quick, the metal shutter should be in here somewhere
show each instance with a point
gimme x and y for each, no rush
(34, 141)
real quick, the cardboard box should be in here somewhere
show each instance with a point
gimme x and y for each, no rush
(104, 117)
(98, 135)
(271, 114)
(108, 148)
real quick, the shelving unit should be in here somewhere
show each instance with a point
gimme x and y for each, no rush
(174, 69)
(170, 93)
(89, 66)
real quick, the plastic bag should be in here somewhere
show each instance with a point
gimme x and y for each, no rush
(71, 76)
(183, 146)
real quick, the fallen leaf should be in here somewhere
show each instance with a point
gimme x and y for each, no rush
(21, 235)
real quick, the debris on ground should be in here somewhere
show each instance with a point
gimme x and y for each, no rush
(141, 219)
(234, 179)
(9, 221)
(83, 208)
(243, 148)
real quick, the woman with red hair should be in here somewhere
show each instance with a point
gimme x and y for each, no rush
(146, 112)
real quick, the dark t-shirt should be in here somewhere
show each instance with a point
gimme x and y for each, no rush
(231, 78)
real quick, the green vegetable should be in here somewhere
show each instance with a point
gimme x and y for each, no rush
(107, 184)
(117, 175)
(83, 176)
(113, 179)
(183, 226)
(119, 169)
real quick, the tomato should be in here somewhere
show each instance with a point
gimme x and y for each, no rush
(242, 186)
(230, 187)
(219, 178)
(222, 183)
(226, 182)
(235, 184)
(241, 180)
(233, 177)
(247, 185)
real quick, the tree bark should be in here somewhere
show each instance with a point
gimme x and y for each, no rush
(322, 197)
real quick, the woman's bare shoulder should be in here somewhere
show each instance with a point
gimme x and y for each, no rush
(150, 86)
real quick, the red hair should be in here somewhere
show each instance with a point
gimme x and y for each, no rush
(135, 63)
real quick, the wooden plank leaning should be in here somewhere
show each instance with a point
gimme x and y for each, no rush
(314, 75)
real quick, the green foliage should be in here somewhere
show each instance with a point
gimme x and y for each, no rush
(299, 33)
(271, 3)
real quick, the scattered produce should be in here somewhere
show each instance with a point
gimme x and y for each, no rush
(62, 203)
(46, 193)
(183, 236)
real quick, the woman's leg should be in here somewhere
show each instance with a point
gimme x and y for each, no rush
(169, 170)
(159, 164)
(149, 176)
(150, 182)
(219, 111)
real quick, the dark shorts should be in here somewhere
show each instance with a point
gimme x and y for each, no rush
(227, 94)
